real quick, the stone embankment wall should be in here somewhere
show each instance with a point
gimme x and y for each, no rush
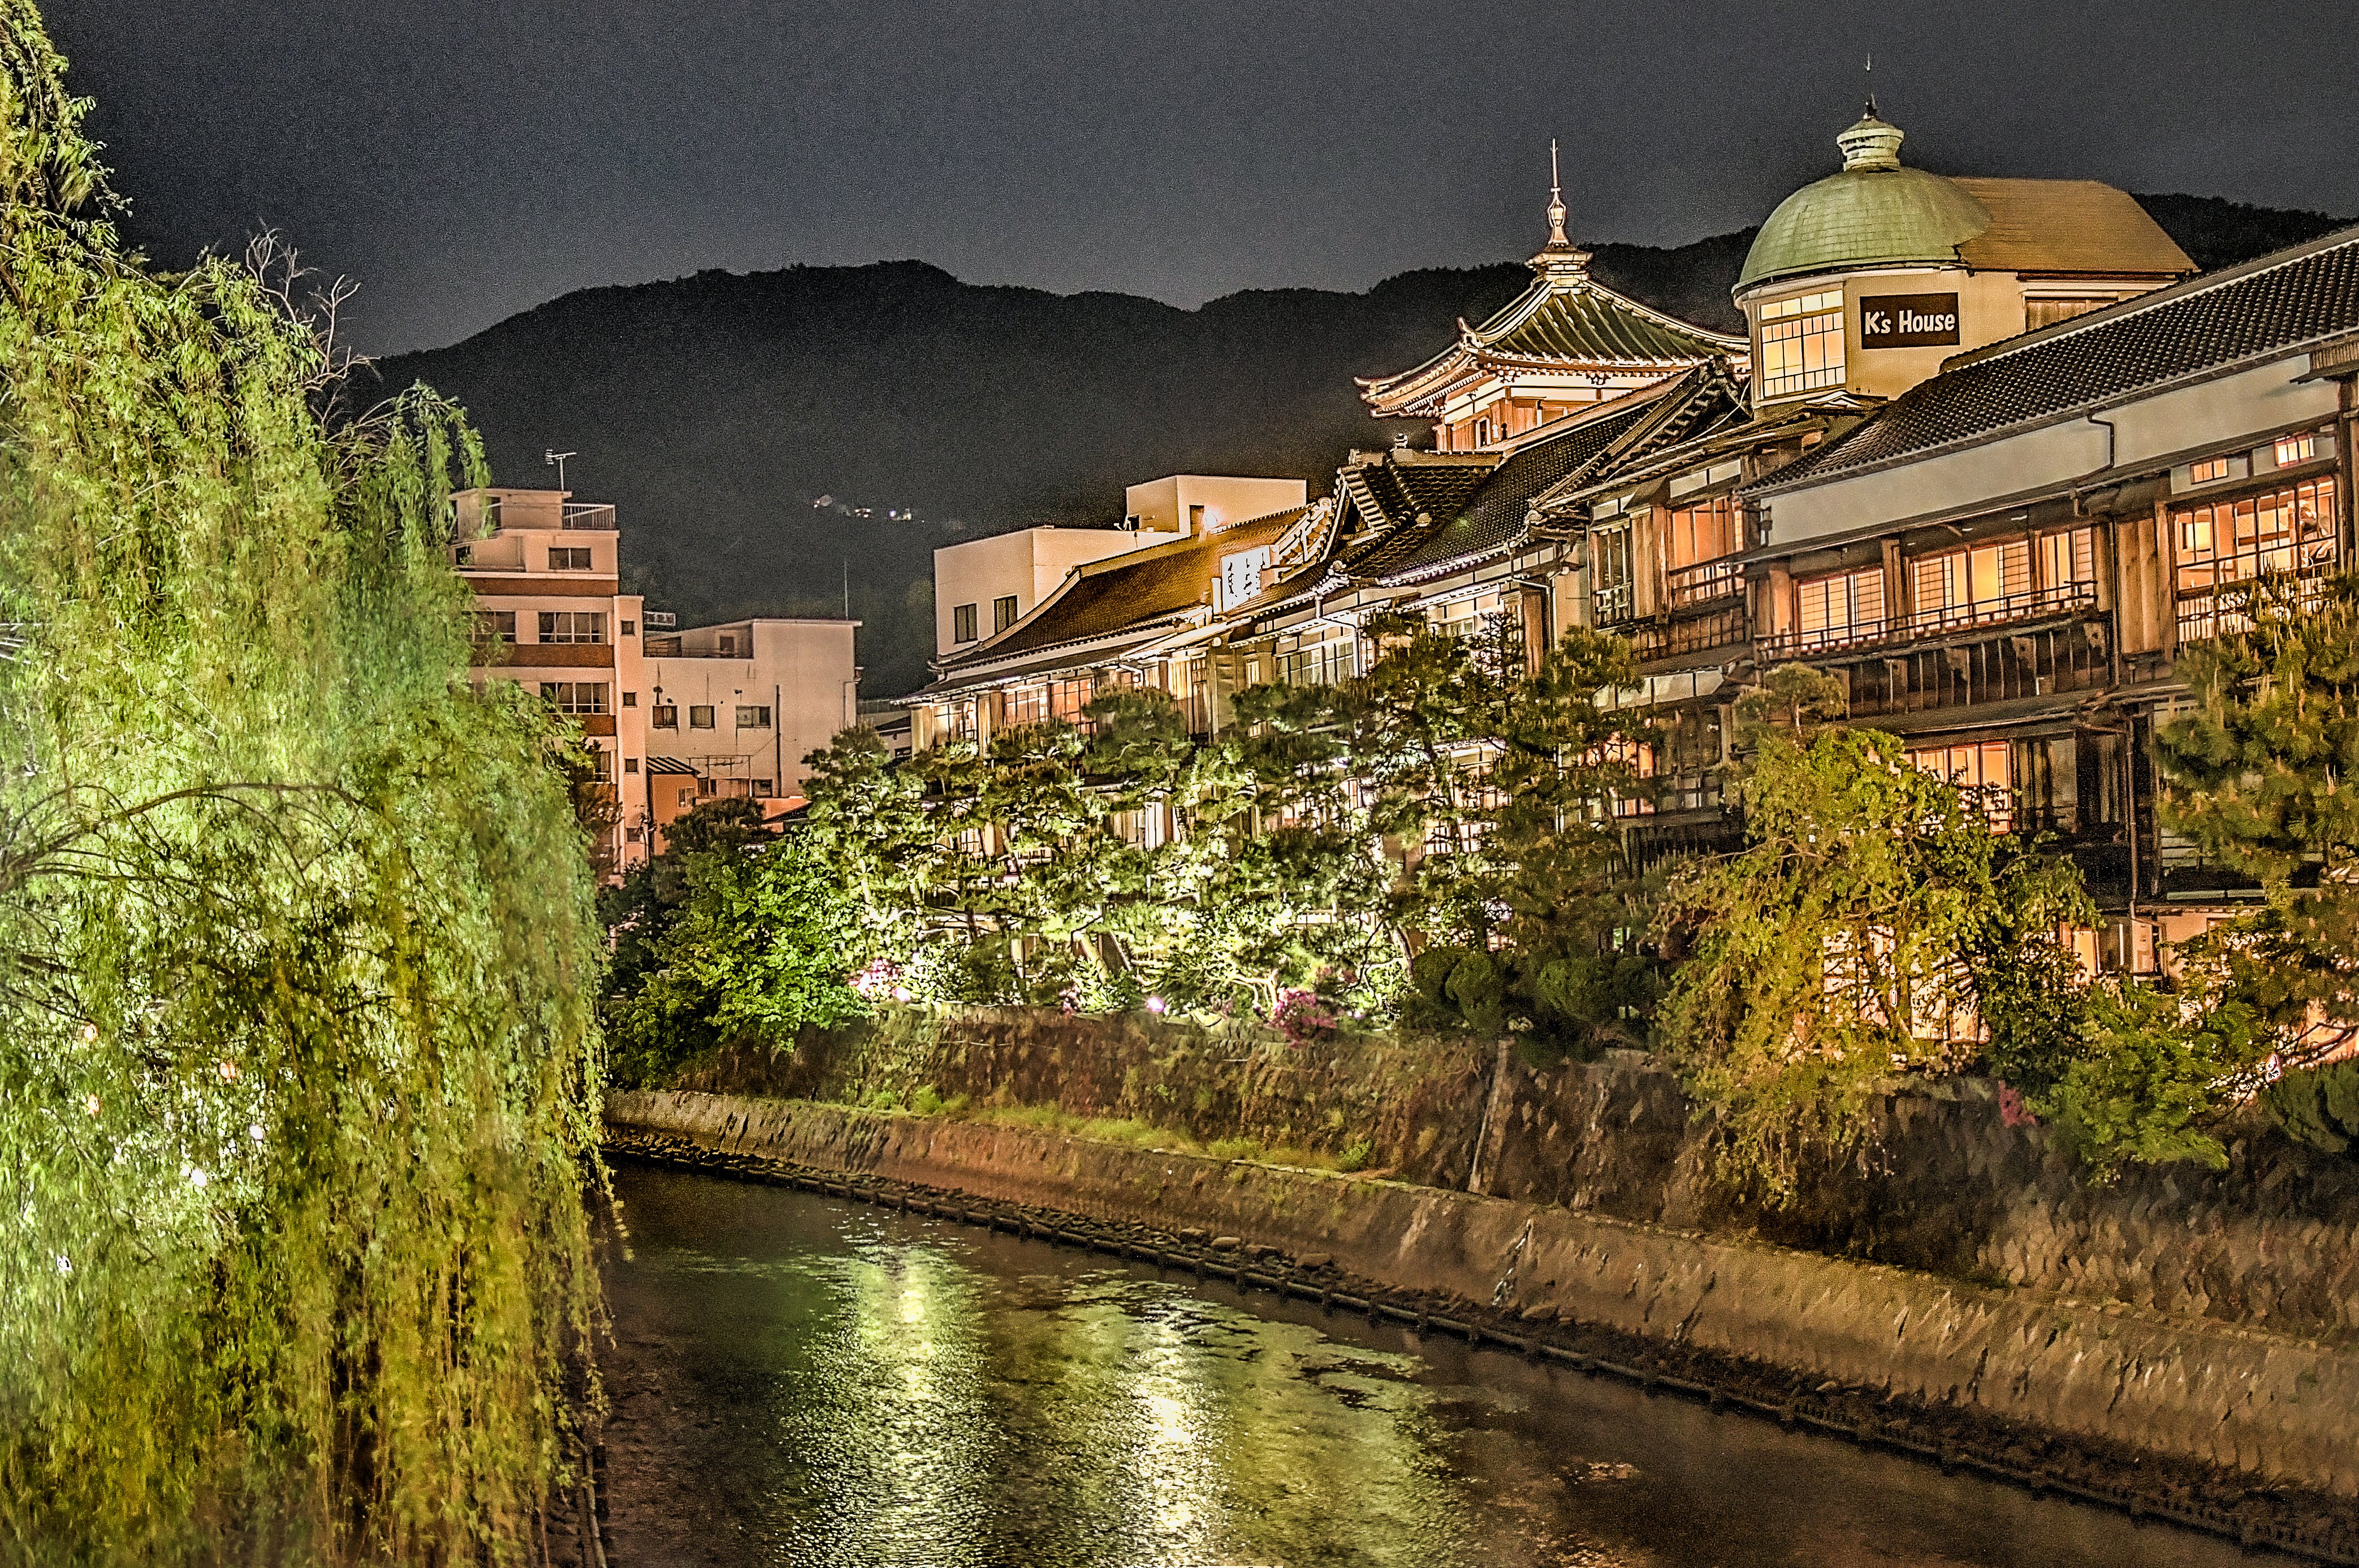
(1945, 1187)
(2188, 1386)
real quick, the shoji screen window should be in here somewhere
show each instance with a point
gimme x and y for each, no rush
(1961, 586)
(1847, 607)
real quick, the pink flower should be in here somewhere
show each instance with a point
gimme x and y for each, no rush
(2012, 1110)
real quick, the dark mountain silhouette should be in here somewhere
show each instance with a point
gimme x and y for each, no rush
(714, 409)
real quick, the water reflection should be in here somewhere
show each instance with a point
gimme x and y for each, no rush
(809, 1382)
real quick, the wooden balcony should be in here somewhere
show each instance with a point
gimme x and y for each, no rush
(1687, 587)
(2063, 600)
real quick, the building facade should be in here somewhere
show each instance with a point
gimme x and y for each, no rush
(669, 717)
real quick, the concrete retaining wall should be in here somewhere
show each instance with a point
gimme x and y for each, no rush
(2269, 1404)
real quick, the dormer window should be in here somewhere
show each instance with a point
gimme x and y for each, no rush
(1803, 343)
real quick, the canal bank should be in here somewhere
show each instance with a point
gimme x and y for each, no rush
(2182, 1415)
(802, 1379)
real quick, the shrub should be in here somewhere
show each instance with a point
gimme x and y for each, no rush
(2318, 1106)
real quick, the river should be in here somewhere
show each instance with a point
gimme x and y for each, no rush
(798, 1381)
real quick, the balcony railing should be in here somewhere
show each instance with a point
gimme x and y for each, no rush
(2226, 609)
(1702, 582)
(2007, 609)
(599, 518)
(1698, 634)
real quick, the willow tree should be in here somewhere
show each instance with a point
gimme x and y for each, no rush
(297, 1069)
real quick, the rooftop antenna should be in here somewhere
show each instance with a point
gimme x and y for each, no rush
(846, 562)
(555, 459)
(1871, 86)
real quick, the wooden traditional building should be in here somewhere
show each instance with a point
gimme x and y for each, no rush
(1564, 346)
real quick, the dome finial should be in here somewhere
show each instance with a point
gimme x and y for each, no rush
(1870, 142)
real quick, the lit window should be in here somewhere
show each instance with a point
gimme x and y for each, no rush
(576, 558)
(1980, 770)
(2296, 449)
(1844, 607)
(575, 696)
(699, 718)
(1962, 585)
(2283, 529)
(1803, 343)
(2212, 470)
(750, 718)
(1003, 613)
(572, 625)
(962, 624)
(1028, 705)
(1703, 531)
(1609, 557)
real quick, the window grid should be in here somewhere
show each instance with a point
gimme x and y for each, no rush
(1803, 343)
(2283, 529)
(572, 625)
(575, 696)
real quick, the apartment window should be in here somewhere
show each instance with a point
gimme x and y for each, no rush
(750, 718)
(630, 628)
(492, 626)
(708, 787)
(572, 625)
(630, 765)
(2283, 529)
(1706, 531)
(1981, 770)
(664, 716)
(1959, 585)
(1609, 556)
(962, 624)
(1803, 343)
(572, 559)
(602, 764)
(575, 696)
(1003, 613)
(1842, 607)
(699, 718)
(630, 699)
(2039, 313)
(761, 787)
(726, 645)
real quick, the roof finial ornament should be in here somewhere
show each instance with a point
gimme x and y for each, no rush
(1869, 112)
(1556, 240)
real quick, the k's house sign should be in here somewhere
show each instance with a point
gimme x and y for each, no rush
(1908, 321)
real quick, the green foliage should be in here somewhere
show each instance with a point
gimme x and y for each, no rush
(1872, 906)
(2259, 776)
(2154, 1070)
(2318, 1105)
(1356, 1155)
(762, 941)
(298, 1083)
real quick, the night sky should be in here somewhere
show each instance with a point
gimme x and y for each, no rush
(465, 159)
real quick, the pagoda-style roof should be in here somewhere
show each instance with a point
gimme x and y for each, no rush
(1566, 322)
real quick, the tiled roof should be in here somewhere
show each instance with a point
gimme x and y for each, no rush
(1494, 515)
(1105, 597)
(1565, 318)
(2276, 303)
(1592, 324)
(2068, 225)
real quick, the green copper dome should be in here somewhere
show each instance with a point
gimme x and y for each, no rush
(1874, 213)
